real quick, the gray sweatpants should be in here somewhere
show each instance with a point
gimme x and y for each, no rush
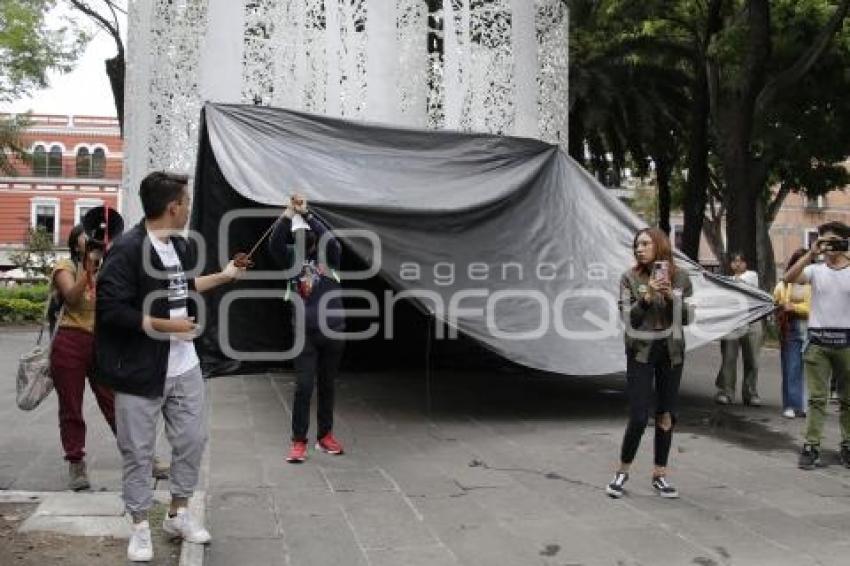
(182, 406)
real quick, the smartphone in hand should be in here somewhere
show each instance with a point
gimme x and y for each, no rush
(661, 271)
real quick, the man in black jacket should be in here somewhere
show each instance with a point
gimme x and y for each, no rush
(316, 283)
(145, 319)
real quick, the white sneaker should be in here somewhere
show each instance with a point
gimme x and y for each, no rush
(183, 525)
(789, 413)
(140, 548)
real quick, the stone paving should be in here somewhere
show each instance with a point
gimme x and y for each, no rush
(502, 468)
(508, 469)
(30, 451)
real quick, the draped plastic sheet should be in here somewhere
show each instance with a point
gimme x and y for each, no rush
(510, 232)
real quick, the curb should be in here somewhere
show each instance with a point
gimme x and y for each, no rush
(18, 497)
(190, 554)
(193, 554)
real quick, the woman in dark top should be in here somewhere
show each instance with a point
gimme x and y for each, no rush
(652, 304)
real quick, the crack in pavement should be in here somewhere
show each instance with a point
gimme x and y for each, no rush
(548, 475)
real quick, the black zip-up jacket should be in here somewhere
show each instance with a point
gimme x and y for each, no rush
(282, 248)
(127, 359)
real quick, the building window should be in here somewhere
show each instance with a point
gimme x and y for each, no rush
(91, 164)
(815, 203)
(39, 161)
(82, 206)
(84, 162)
(45, 214)
(98, 163)
(810, 236)
(54, 162)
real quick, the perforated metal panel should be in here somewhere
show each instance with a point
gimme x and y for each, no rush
(497, 66)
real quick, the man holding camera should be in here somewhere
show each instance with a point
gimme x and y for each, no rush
(828, 351)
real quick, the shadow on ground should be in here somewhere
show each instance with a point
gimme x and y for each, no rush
(498, 396)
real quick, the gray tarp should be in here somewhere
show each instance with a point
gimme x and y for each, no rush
(510, 232)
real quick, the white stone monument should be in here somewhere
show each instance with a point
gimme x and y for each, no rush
(497, 66)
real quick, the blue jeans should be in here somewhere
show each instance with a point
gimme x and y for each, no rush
(792, 366)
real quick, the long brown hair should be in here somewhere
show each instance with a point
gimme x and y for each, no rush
(663, 250)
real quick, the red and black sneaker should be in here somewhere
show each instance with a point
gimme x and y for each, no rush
(329, 444)
(298, 452)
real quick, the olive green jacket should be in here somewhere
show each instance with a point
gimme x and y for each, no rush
(658, 319)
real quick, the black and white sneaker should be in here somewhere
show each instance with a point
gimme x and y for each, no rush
(809, 457)
(664, 488)
(615, 488)
(844, 454)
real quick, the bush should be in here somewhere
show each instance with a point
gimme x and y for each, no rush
(20, 310)
(33, 293)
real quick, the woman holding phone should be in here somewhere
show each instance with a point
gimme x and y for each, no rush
(652, 294)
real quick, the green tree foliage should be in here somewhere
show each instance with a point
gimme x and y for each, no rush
(10, 143)
(766, 103)
(629, 94)
(29, 47)
(773, 91)
(805, 134)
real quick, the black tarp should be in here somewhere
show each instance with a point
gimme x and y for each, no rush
(511, 232)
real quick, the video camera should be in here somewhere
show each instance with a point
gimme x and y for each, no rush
(101, 225)
(835, 245)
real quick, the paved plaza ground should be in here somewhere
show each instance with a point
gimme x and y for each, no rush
(500, 468)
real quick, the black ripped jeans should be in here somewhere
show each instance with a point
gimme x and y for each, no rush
(658, 379)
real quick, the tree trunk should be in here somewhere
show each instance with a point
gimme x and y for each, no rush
(741, 211)
(575, 143)
(115, 70)
(764, 247)
(767, 255)
(696, 189)
(697, 185)
(734, 113)
(714, 236)
(767, 271)
(662, 177)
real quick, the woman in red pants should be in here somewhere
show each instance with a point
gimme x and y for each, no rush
(72, 356)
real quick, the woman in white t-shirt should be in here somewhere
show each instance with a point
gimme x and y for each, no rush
(748, 340)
